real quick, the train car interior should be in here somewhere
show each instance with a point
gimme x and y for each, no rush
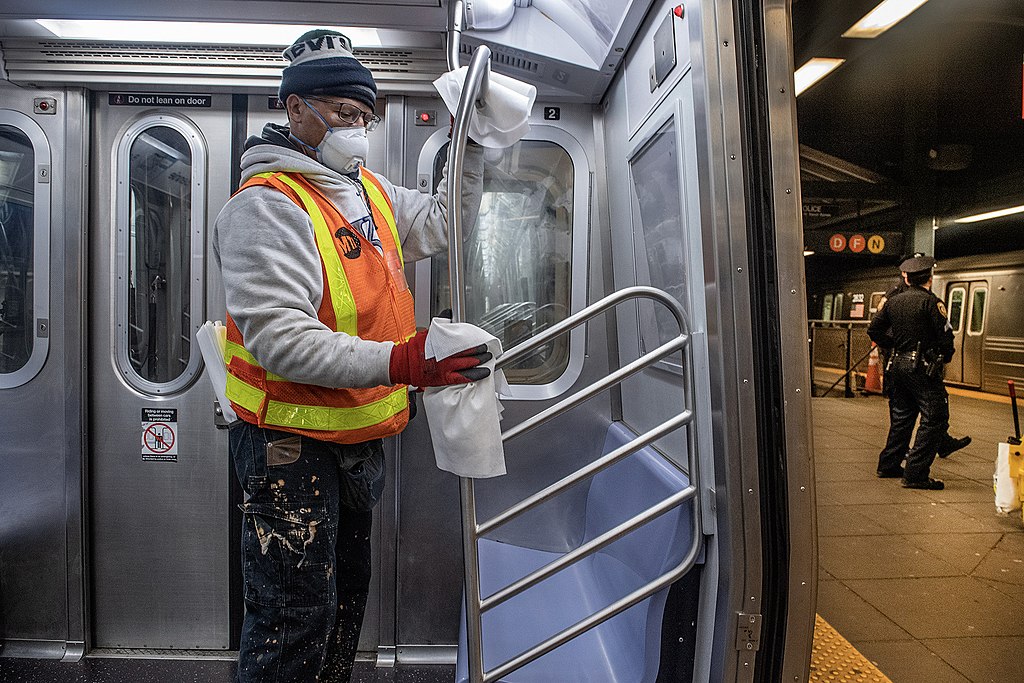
(635, 536)
(680, 258)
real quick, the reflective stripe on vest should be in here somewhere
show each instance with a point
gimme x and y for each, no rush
(353, 415)
(378, 198)
(337, 282)
(316, 418)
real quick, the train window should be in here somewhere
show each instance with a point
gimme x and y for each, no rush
(956, 309)
(16, 246)
(979, 298)
(518, 255)
(660, 248)
(876, 298)
(826, 308)
(159, 276)
(837, 307)
(24, 249)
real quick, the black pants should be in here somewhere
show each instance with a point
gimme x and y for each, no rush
(305, 552)
(913, 393)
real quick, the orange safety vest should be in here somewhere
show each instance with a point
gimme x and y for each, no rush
(353, 302)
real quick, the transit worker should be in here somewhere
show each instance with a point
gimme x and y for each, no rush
(913, 328)
(321, 346)
(898, 442)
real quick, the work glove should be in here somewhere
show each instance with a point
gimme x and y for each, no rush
(408, 365)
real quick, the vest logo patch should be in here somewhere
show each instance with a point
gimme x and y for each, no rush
(349, 243)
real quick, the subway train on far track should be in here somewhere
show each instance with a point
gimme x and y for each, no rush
(983, 295)
(637, 252)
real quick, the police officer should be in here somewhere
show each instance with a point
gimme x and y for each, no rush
(898, 441)
(912, 325)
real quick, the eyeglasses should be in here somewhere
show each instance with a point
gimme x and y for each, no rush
(351, 114)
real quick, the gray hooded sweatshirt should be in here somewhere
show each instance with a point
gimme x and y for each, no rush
(266, 250)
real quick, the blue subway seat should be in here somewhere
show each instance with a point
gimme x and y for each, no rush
(624, 649)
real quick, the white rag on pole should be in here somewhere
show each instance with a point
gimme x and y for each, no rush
(504, 117)
(463, 418)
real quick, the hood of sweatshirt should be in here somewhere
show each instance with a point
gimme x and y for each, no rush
(274, 152)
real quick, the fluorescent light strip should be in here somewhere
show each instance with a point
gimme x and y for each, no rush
(813, 71)
(196, 32)
(882, 18)
(990, 215)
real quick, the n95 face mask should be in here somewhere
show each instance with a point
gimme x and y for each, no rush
(342, 150)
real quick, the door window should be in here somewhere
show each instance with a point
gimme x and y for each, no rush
(660, 249)
(876, 298)
(826, 308)
(837, 307)
(159, 276)
(518, 254)
(17, 205)
(24, 248)
(956, 309)
(979, 298)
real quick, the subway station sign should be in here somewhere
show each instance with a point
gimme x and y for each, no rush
(856, 243)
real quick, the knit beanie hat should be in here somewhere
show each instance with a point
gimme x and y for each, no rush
(322, 64)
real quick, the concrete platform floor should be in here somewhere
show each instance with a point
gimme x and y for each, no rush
(928, 585)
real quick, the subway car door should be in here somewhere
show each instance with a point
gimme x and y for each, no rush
(966, 302)
(42, 602)
(158, 467)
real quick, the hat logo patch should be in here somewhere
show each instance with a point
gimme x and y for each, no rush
(348, 242)
(314, 45)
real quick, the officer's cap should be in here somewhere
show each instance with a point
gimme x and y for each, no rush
(918, 263)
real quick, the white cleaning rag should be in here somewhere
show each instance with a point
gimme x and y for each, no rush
(463, 418)
(212, 338)
(504, 118)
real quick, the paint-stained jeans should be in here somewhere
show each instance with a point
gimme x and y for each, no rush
(305, 552)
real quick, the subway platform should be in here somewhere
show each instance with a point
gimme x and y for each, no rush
(927, 585)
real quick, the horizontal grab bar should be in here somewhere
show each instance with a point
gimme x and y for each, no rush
(588, 548)
(593, 468)
(644, 361)
(519, 351)
(607, 613)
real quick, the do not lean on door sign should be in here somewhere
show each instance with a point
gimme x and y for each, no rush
(160, 434)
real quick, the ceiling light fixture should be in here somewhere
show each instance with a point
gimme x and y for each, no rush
(813, 71)
(990, 215)
(879, 20)
(209, 33)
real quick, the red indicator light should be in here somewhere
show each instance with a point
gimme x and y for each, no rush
(424, 117)
(678, 11)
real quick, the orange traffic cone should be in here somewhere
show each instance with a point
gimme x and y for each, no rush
(873, 379)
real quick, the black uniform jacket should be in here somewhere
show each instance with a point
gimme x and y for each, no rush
(913, 317)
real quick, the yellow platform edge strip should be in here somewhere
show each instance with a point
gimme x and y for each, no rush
(833, 658)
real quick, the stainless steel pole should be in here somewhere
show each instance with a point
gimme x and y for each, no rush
(455, 35)
(476, 78)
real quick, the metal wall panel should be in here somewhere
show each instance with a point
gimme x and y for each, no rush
(652, 395)
(158, 529)
(42, 610)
